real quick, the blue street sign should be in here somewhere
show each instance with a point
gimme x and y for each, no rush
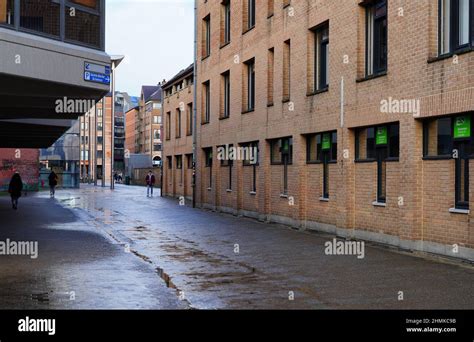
(96, 77)
(100, 69)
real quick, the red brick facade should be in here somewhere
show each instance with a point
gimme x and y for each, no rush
(417, 212)
(25, 161)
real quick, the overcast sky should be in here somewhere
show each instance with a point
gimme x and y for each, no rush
(155, 36)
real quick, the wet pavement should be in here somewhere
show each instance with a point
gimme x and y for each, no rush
(121, 249)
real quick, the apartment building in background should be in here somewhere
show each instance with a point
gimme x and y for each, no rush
(361, 113)
(178, 97)
(96, 130)
(148, 124)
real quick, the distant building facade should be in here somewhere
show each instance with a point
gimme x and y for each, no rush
(178, 125)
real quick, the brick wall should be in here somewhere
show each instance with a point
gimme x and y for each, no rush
(444, 87)
(25, 161)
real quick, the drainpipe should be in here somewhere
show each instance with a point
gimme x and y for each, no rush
(195, 103)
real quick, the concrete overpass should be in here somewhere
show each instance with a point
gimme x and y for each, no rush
(42, 61)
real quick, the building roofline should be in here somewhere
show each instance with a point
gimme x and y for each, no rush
(179, 76)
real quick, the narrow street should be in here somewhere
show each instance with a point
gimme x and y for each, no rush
(123, 250)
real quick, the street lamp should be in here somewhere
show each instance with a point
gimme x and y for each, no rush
(116, 60)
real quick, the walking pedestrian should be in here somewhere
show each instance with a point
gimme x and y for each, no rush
(53, 182)
(15, 188)
(150, 183)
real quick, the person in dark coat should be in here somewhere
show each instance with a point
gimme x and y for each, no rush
(53, 182)
(150, 183)
(15, 188)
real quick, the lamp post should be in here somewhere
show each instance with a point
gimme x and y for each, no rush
(116, 60)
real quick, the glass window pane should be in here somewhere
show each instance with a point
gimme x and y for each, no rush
(83, 27)
(463, 22)
(445, 25)
(394, 149)
(444, 135)
(40, 15)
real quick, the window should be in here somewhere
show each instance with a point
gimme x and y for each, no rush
(206, 43)
(455, 25)
(7, 12)
(208, 163)
(156, 119)
(169, 161)
(321, 58)
(225, 97)
(322, 148)
(178, 123)
(206, 102)
(370, 138)
(156, 105)
(318, 144)
(379, 144)
(83, 27)
(179, 166)
(229, 164)
(226, 20)
(270, 76)
(282, 154)
(41, 16)
(156, 134)
(251, 158)
(168, 126)
(100, 126)
(249, 86)
(100, 140)
(189, 161)
(376, 37)
(157, 147)
(249, 14)
(189, 119)
(281, 149)
(448, 138)
(286, 70)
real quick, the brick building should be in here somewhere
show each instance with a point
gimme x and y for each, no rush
(178, 131)
(361, 113)
(131, 136)
(148, 124)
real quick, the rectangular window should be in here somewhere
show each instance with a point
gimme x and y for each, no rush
(156, 119)
(178, 123)
(206, 36)
(322, 148)
(251, 158)
(157, 147)
(249, 14)
(206, 94)
(226, 22)
(179, 166)
(156, 134)
(225, 95)
(455, 25)
(229, 164)
(169, 161)
(189, 119)
(208, 163)
(321, 58)
(438, 138)
(168, 126)
(379, 144)
(83, 27)
(249, 101)
(41, 16)
(376, 37)
(286, 70)
(281, 151)
(7, 12)
(282, 154)
(270, 76)
(369, 139)
(189, 161)
(321, 145)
